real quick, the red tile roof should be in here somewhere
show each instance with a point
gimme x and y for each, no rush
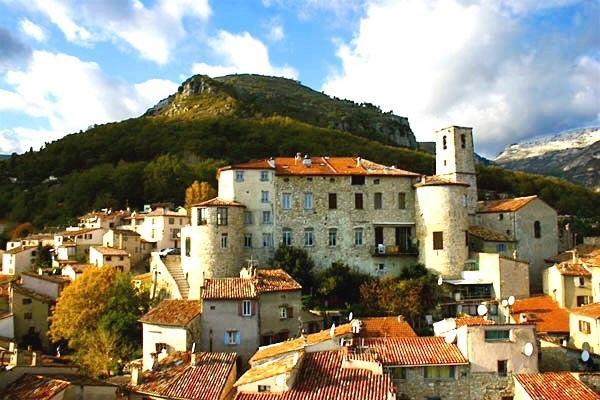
(504, 205)
(162, 212)
(329, 166)
(583, 251)
(35, 387)
(321, 377)
(548, 317)
(469, 320)
(218, 202)
(228, 289)
(415, 351)
(274, 280)
(589, 310)
(386, 326)
(568, 269)
(488, 234)
(110, 251)
(555, 386)
(176, 378)
(173, 312)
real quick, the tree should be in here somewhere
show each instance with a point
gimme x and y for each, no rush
(21, 230)
(297, 263)
(165, 177)
(198, 192)
(339, 285)
(97, 354)
(43, 258)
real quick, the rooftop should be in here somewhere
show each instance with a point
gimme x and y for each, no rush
(488, 234)
(110, 251)
(164, 212)
(30, 293)
(35, 387)
(436, 180)
(176, 378)
(323, 166)
(49, 278)
(19, 249)
(270, 369)
(568, 269)
(78, 232)
(583, 251)
(321, 377)
(173, 312)
(274, 280)
(504, 205)
(265, 281)
(386, 327)
(415, 351)
(218, 202)
(469, 320)
(544, 312)
(555, 386)
(589, 310)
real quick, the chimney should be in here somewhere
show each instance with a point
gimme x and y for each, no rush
(136, 374)
(298, 158)
(193, 359)
(358, 161)
(35, 358)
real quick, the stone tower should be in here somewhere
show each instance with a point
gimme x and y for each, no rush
(455, 162)
(212, 245)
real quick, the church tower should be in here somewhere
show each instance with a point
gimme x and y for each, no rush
(454, 161)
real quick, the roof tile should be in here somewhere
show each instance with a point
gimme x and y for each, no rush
(555, 386)
(549, 317)
(504, 205)
(415, 351)
(173, 312)
(588, 310)
(386, 327)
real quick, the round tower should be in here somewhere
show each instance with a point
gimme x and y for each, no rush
(212, 245)
(455, 161)
(442, 221)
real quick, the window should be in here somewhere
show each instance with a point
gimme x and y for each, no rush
(286, 237)
(266, 217)
(283, 312)
(463, 141)
(465, 200)
(248, 240)
(27, 315)
(188, 246)
(264, 196)
(222, 216)
(358, 180)
(264, 388)
(380, 269)
(403, 238)
(267, 239)
(396, 373)
(537, 229)
(359, 236)
(438, 240)
(308, 201)
(239, 176)
(444, 142)
(439, 372)
(378, 201)
(248, 218)
(246, 308)
(502, 367)
(332, 201)
(358, 201)
(26, 300)
(171, 221)
(583, 300)
(376, 181)
(264, 176)
(232, 338)
(585, 327)
(202, 216)
(401, 201)
(332, 237)
(223, 240)
(309, 237)
(286, 201)
(500, 217)
(500, 247)
(108, 258)
(497, 335)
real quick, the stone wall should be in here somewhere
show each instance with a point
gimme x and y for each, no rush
(270, 321)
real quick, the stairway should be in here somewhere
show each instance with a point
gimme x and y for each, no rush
(173, 264)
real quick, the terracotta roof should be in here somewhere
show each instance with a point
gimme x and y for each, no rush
(415, 351)
(30, 293)
(547, 316)
(589, 310)
(228, 289)
(107, 215)
(583, 251)
(326, 166)
(173, 312)
(110, 251)
(438, 181)
(218, 202)
(274, 280)
(77, 232)
(321, 378)
(176, 378)
(325, 334)
(80, 268)
(35, 387)
(270, 369)
(50, 278)
(488, 234)
(555, 386)
(161, 212)
(19, 249)
(386, 326)
(568, 269)
(504, 205)
(469, 320)
(125, 232)
(594, 260)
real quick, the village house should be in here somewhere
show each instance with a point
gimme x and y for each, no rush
(104, 219)
(258, 308)
(172, 326)
(74, 270)
(102, 256)
(161, 227)
(584, 323)
(486, 240)
(551, 386)
(19, 259)
(76, 242)
(129, 241)
(37, 239)
(569, 283)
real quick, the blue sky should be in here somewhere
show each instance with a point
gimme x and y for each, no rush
(511, 69)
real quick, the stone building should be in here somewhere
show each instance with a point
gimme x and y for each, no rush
(570, 284)
(102, 256)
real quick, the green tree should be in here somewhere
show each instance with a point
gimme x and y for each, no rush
(339, 285)
(43, 258)
(296, 262)
(165, 179)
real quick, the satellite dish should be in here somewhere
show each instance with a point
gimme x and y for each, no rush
(332, 330)
(504, 303)
(350, 316)
(450, 337)
(528, 349)
(440, 281)
(482, 310)
(511, 300)
(585, 356)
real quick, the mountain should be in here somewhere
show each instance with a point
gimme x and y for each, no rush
(209, 123)
(573, 155)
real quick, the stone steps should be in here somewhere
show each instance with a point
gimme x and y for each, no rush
(173, 264)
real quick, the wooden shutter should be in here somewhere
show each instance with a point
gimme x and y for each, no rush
(438, 240)
(237, 338)
(290, 312)
(240, 306)
(358, 201)
(254, 306)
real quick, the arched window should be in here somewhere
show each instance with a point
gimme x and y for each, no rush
(463, 141)
(537, 229)
(444, 143)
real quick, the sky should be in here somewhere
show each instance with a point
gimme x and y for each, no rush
(511, 69)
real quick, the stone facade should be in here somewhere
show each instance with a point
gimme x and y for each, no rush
(275, 327)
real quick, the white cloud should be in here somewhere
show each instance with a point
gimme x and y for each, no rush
(241, 54)
(276, 32)
(442, 62)
(70, 94)
(33, 30)
(153, 31)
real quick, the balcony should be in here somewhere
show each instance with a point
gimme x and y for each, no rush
(397, 251)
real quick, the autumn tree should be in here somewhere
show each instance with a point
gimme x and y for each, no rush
(21, 230)
(198, 192)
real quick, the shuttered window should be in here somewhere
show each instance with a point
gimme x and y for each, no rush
(358, 201)
(438, 240)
